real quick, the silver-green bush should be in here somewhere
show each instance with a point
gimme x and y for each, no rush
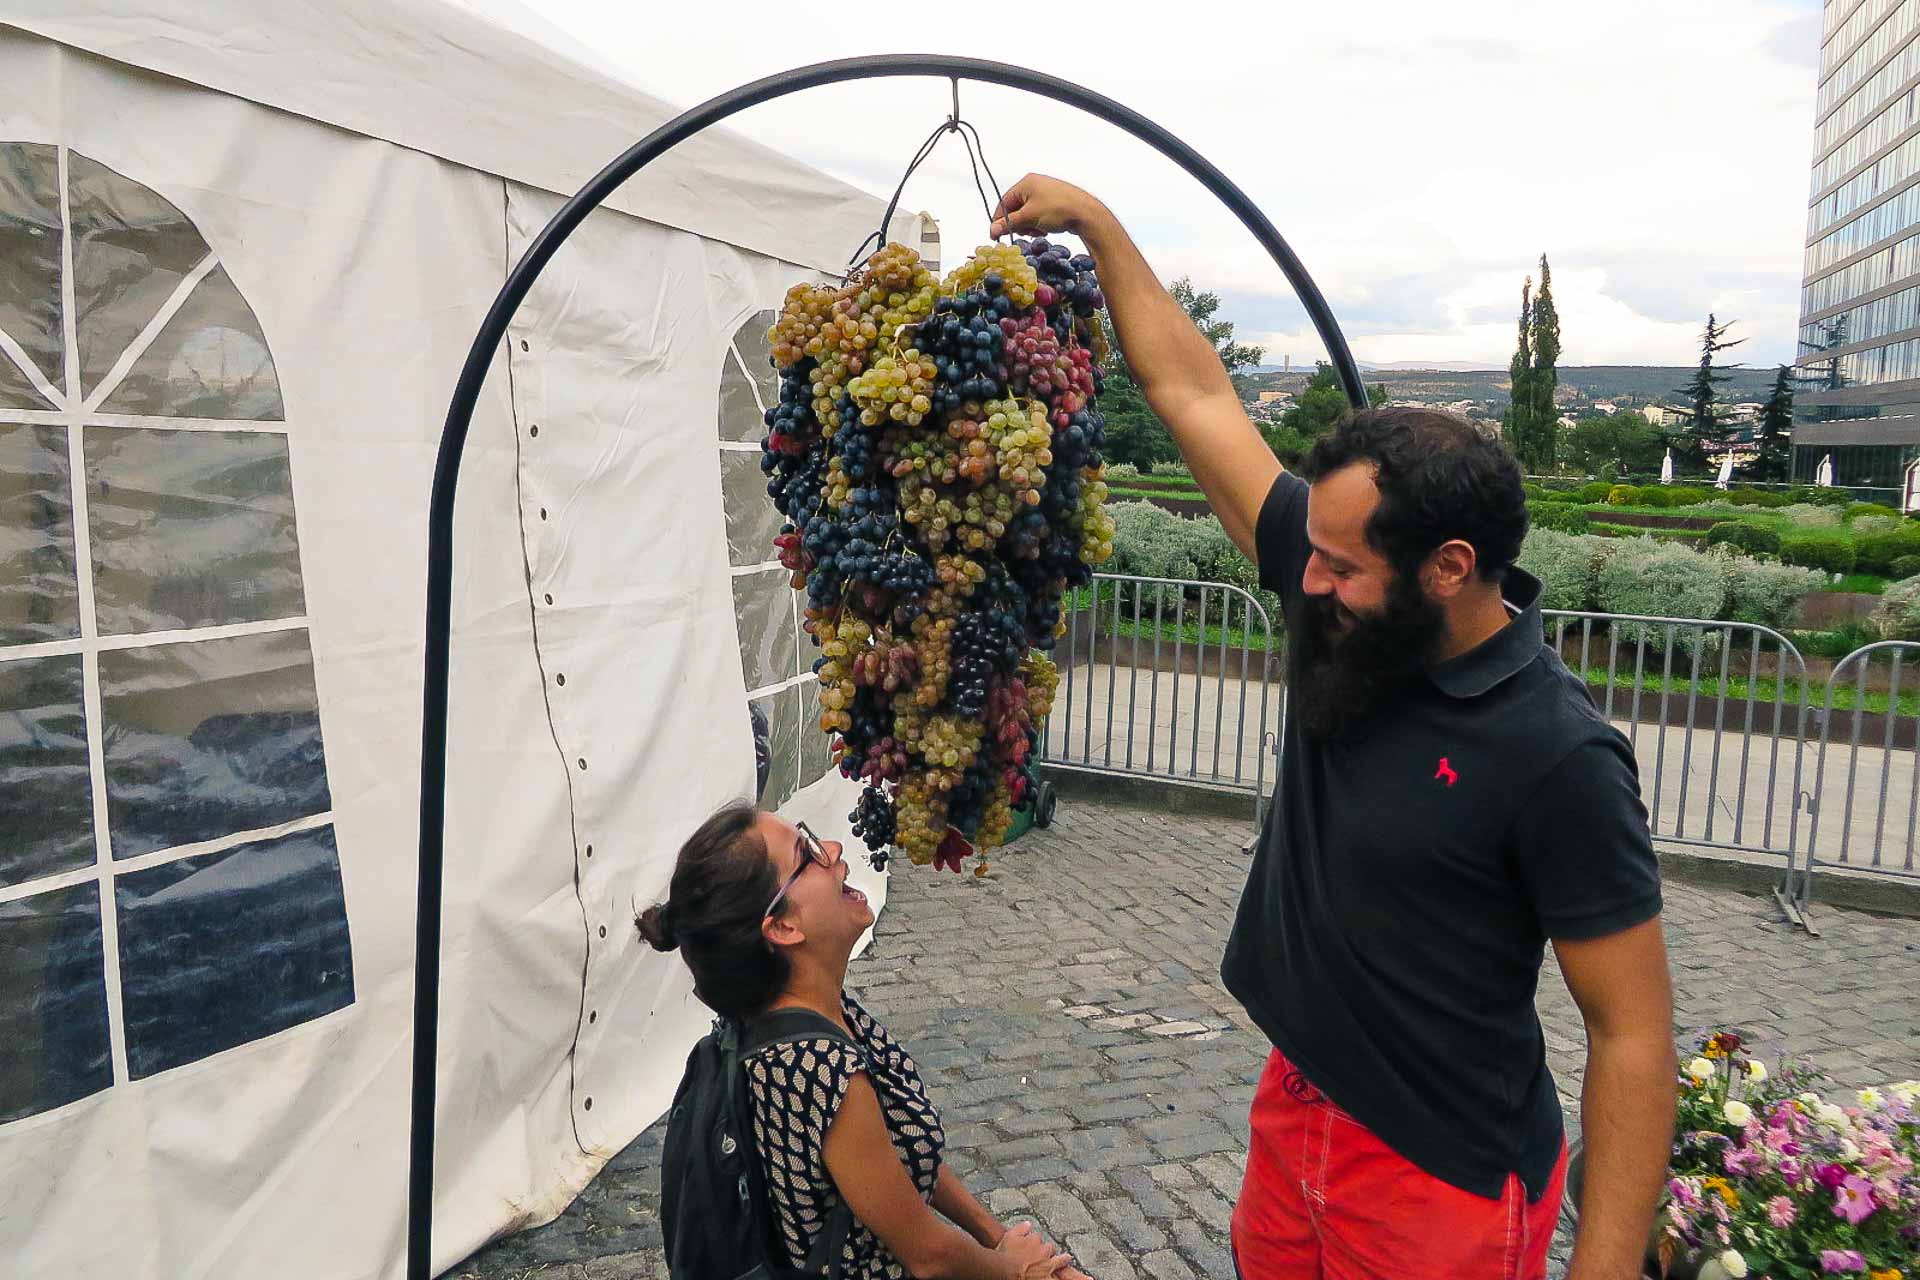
(1898, 615)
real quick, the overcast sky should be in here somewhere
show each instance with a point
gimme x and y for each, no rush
(1419, 157)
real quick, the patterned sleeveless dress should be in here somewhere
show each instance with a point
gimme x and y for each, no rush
(796, 1090)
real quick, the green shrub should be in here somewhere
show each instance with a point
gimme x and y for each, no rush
(1905, 567)
(1814, 494)
(1898, 615)
(1565, 564)
(1828, 550)
(1766, 594)
(1662, 580)
(1876, 552)
(1857, 509)
(1593, 493)
(1171, 469)
(1666, 495)
(1870, 525)
(1750, 538)
(1758, 498)
(1623, 495)
(1561, 517)
(1807, 515)
(1122, 471)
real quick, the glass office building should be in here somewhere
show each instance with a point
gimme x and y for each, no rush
(1858, 366)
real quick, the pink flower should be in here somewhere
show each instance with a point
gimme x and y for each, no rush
(1839, 1261)
(1684, 1193)
(1853, 1200)
(1830, 1176)
(1742, 1162)
(1780, 1211)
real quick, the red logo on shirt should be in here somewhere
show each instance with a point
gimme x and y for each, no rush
(1445, 773)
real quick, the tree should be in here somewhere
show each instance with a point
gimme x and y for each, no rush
(1703, 390)
(1516, 424)
(1134, 434)
(1776, 431)
(1320, 405)
(1543, 421)
(1625, 441)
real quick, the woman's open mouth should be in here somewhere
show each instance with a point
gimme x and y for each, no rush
(848, 891)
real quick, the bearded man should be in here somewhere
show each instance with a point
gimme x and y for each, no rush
(1449, 801)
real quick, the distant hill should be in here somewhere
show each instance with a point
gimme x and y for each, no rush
(1624, 384)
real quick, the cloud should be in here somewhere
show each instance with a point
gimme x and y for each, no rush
(1419, 158)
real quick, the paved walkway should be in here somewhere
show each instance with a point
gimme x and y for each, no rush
(1067, 1014)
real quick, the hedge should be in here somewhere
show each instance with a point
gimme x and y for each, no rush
(1876, 552)
(1750, 538)
(1561, 517)
(1593, 493)
(1828, 550)
(1758, 498)
(1870, 509)
(1906, 567)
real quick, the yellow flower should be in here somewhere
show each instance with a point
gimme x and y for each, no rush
(1891, 1273)
(1869, 1098)
(1722, 1188)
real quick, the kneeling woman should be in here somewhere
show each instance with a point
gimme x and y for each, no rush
(765, 917)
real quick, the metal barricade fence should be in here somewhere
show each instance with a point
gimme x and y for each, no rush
(1167, 678)
(1679, 689)
(1882, 771)
(1182, 681)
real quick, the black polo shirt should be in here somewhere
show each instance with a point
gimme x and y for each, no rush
(1390, 937)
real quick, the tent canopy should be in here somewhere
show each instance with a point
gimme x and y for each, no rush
(487, 84)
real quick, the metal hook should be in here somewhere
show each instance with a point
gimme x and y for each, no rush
(954, 119)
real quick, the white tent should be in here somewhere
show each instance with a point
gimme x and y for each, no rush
(1823, 476)
(246, 245)
(1666, 468)
(1726, 472)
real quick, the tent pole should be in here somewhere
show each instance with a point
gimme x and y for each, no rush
(466, 394)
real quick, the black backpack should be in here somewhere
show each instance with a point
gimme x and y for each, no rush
(714, 1210)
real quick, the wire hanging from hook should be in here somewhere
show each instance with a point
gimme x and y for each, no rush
(976, 161)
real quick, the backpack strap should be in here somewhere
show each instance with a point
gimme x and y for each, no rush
(778, 1027)
(782, 1025)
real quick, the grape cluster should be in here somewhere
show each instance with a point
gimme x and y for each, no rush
(936, 453)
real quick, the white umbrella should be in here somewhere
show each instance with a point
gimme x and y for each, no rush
(1726, 472)
(1824, 476)
(1666, 468)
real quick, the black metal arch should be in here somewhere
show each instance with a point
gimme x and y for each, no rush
(466, 394)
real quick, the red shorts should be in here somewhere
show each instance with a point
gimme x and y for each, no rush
(1324, 1197)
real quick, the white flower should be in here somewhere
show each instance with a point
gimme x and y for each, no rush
(1701, 1070)
(1906, 1090)
(1869, 1098)
(1812, 1100)
(1755, 1071)
(1738, 1113)
(1733, 1263)
(1831, 1116)
(1848, 1151)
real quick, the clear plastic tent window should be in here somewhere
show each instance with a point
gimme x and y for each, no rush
(169, 832)
(779, 676)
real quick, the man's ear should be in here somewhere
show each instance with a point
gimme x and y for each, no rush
(1449, 569)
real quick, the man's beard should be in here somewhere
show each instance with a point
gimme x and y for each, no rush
(1343, 675)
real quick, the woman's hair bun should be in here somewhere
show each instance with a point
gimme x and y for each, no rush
(657, 928)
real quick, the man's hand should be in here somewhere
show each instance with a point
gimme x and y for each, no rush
(1176, 367)
(1039, 205)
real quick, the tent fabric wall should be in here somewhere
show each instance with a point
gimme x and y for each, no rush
(367, 266)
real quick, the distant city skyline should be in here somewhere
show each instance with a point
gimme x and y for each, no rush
(1418, 158)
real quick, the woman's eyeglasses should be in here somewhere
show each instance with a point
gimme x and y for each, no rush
(811, 851)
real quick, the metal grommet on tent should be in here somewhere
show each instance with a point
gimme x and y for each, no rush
(560, 678)
(603, 931)
(589, 1104)
(548, 597)
(583, 762)
(543, 513)
(534, 430)
(593, 1016)
(473, 374)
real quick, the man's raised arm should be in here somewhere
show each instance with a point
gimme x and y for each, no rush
(1177, 368)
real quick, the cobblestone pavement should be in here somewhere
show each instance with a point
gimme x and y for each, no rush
(1068, 1016)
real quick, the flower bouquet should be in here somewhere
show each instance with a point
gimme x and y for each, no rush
(1770, 1180)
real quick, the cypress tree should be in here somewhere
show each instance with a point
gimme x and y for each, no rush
(1514, 427)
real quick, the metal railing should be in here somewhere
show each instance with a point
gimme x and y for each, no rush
(1181, 681)
(1159, 680)
(1831, 837)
